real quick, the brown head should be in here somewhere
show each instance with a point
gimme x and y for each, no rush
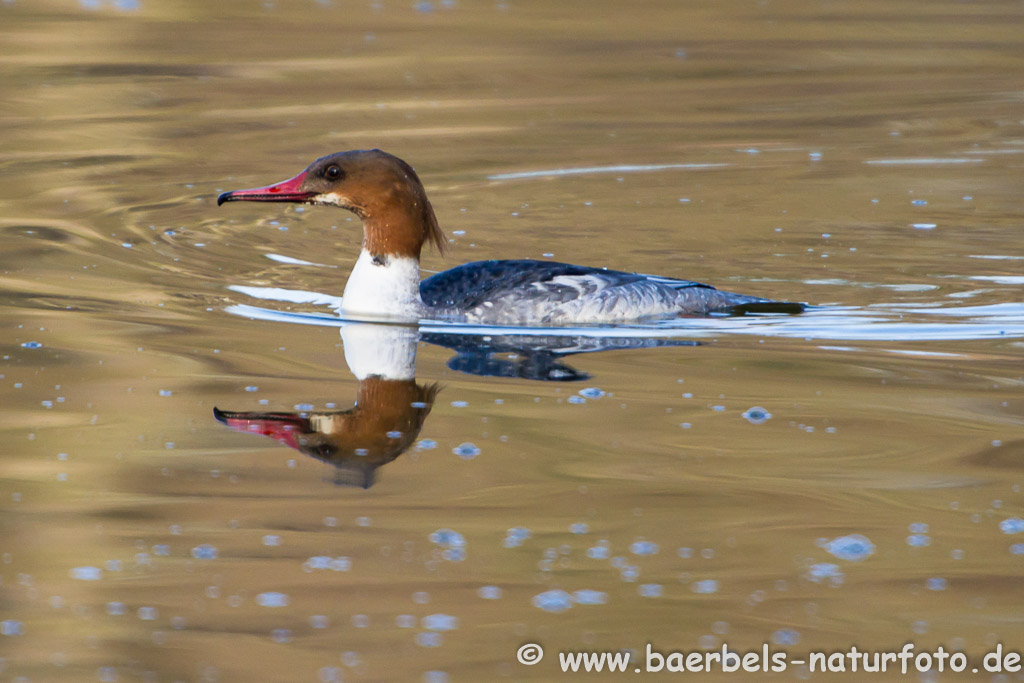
(381, 189)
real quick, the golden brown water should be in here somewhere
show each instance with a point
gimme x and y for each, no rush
(862, 156)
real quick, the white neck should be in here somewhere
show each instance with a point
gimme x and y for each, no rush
(387, 351)
(388, 288)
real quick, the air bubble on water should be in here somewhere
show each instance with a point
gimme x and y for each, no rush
(272, 599)
(439, 622)
(329, 674)
(466, 451)
(587, 596)
(1012, 525)
(855, 547)
(650, 590)
(515, 536)
(644, 548)
(86, 573)
(429, 639)
(489, 592)
(204, 552)
(454, 554)
(757, 415)
(825, 572)
(918, 540)
(553, 601)
(785, 636)
(12, 627)
(448, 538)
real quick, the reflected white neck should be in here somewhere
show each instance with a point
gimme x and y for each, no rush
(387, 351)
(384, 285)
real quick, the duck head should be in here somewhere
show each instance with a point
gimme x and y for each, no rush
(383, 190)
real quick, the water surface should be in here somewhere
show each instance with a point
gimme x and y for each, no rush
(700, 482)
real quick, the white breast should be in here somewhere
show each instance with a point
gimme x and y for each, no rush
(391, 288)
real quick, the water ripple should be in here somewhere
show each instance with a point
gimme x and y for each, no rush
(878, 323)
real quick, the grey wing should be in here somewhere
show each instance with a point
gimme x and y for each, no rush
(474, 284)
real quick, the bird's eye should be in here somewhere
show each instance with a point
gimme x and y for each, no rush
(332, 172)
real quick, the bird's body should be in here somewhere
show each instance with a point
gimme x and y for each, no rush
(552, 293)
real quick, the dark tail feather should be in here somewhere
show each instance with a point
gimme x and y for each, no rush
(762, 307)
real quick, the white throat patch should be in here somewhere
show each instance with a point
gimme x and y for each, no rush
(331, 199)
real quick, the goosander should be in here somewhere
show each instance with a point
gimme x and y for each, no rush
(385, 192)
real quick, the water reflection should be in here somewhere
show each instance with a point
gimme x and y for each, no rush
(391, 407)
(537, 357)
(388, 414)
(383, 424)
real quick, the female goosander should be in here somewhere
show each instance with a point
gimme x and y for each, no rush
(387, 195)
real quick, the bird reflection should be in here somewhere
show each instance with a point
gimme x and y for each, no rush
(391, 407)
(383, 424)
(532, 357)
(387, 417)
